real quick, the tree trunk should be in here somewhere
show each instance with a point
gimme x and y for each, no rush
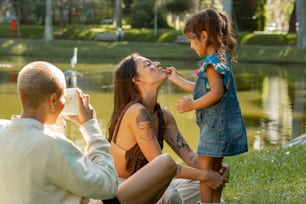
(227, 7)
(48, 22)
(292, 22)
(301, 19)
(196, 5)
(118, 11)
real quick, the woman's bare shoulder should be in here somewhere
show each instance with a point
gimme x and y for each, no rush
(134, 112)
(135, 108)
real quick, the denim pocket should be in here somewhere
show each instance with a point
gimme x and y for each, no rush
(235, 126)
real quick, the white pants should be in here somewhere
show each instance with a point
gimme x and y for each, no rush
(181, 191)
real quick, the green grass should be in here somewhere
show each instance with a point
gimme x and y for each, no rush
(252, 47)
(268, 39)
(92, 51)
(276, 175)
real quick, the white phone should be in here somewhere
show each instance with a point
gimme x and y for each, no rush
(71, 104)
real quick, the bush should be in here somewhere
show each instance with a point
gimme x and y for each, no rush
(269, 39)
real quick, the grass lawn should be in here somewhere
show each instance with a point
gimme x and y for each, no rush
(114, 51)
(276, 175)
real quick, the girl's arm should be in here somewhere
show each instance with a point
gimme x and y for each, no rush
(186, 104)
(179, 81)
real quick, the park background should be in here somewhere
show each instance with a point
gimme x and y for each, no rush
(271, 42)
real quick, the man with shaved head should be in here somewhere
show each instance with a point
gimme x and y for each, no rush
(38, 165)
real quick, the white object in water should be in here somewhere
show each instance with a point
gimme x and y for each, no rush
(74, 58)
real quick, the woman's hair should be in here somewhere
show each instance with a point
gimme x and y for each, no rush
(217, 27)
(125, 90)
(38, 80)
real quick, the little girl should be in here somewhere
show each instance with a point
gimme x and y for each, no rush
(218, 114)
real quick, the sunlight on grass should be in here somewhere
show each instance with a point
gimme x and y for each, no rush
(269, 176)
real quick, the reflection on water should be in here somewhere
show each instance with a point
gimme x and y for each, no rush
(272, 99)
(277, 107)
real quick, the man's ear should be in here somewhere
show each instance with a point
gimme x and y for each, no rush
(52, 101)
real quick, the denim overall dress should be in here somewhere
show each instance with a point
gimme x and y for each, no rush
(222, 128)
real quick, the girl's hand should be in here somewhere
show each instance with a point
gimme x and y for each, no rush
(171, 72)
(184, 104)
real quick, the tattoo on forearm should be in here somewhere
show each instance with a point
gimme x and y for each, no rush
(181, 143)
(194, 160)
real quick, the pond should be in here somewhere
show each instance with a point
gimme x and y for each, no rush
(272, 99)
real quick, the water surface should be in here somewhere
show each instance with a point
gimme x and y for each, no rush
(272, 98)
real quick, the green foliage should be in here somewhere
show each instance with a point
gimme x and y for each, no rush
(269, 39)
(142, 15)
(275, 175)
(246, 18)
(178, 6)
(146, 35)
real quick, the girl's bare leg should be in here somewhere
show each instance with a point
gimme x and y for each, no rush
(217, 192)
(206, 163)
(148, 184)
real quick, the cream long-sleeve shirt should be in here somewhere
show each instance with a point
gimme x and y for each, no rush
(40, 166)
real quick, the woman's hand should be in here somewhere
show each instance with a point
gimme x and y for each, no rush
(225, 172)
(86, 111)
(218, 179)
(214, 179)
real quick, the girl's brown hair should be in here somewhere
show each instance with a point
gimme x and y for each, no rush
(217, 27)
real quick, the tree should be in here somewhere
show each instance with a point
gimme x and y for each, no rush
(301, 18)
(227, 7)
(245, 14)
(127, 7)
(48, 22)
(118, 11)
(142, 15)
(292, 21)
(178, 8)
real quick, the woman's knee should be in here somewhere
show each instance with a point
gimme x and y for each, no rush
(167, 163)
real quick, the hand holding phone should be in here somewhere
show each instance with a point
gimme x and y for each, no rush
(71, 104)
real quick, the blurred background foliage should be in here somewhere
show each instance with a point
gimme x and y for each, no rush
(251, 15)
(268, 22)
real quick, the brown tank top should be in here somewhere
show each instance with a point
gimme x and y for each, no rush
(134, 157)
